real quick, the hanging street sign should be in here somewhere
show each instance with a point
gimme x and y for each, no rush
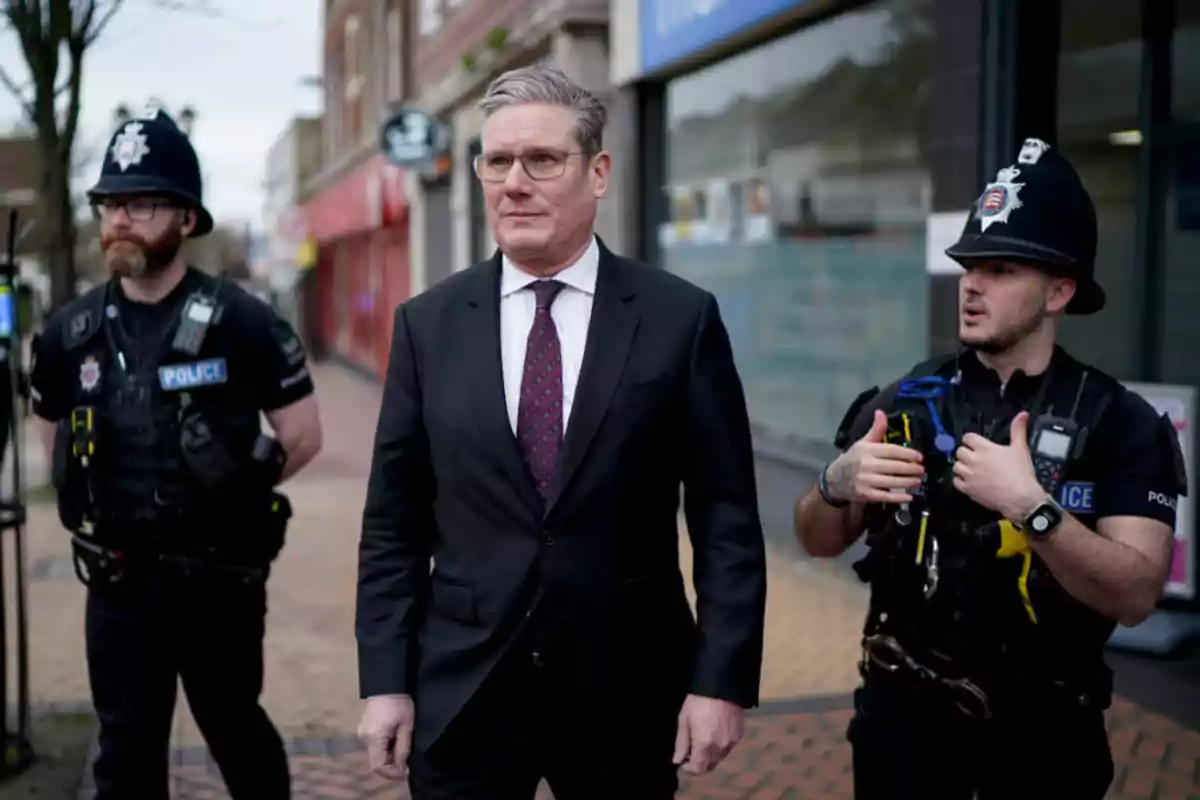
(413, 140)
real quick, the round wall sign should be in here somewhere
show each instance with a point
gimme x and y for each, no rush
(412, 139)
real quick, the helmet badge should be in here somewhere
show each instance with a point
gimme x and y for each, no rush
(129, 147)
(1031, 151)
(999, 199)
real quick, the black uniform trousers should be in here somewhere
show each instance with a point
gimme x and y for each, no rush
(910, 741)
(530, 721)
(142, 637)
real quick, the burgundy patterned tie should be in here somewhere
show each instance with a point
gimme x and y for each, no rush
(540, 412)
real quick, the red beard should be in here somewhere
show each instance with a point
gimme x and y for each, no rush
(131, 256)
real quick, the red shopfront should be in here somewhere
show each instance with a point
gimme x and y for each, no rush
(360, 223)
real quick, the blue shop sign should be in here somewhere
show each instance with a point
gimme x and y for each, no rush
(673, 29)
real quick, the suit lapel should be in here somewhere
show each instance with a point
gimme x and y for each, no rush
(610, 334)
(487, 380)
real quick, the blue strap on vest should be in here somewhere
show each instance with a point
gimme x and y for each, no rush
(930, 389)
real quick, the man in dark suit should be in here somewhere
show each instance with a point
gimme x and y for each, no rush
(541, 412)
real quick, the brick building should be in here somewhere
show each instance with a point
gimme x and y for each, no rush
(355, 206)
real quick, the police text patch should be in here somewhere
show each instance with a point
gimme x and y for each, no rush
(188, 376)
(1078, 496)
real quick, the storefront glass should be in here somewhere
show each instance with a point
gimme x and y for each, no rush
(798, 188)
(342, 299)
(1181, 256)
(1185, 58)
(1099, 78)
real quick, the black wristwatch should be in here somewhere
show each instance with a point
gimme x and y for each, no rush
(1043, 520)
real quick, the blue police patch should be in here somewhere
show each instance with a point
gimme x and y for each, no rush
(175, 377)
(1078, 496)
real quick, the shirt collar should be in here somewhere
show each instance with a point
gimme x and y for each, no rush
(581, 275)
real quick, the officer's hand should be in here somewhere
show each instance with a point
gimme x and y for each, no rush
(386, 730)
(872, 471)
(999, 477)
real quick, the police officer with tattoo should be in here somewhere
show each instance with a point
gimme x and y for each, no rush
(153, 384)
(1018, 504)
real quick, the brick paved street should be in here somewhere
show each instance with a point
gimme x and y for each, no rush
(794, 747)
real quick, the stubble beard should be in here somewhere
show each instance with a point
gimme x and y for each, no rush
(1005, 341)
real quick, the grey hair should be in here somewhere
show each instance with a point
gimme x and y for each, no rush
(541, 84)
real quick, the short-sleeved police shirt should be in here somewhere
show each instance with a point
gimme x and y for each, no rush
(267, 362)
(1134, 454)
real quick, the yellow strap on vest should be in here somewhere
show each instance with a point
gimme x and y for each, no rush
(1014, 543)
(921, 536)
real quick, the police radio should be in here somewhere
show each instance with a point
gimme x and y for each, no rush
(1052, 443)
(199, 315)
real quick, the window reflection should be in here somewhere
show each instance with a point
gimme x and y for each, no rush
(1185, 58)
(1181, 251)
(798, 189)
(1099, 76)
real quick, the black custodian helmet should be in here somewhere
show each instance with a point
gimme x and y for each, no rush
(153, 156)
(1037, 212)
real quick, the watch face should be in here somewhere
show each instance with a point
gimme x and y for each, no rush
(1043, 520)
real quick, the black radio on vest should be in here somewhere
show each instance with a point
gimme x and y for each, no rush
(1053, 440)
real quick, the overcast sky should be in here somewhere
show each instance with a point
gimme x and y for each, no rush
(239, 67)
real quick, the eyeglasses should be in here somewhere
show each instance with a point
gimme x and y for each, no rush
(138, 209)
(541, 165)
(887, 654)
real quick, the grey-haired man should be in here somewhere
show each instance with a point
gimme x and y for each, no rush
(541, 412)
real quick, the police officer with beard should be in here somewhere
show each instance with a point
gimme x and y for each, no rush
(154, 382)
(1018, 504)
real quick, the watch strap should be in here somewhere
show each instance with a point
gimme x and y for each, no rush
(823, 490)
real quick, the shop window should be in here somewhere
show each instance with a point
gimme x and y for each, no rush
(341, 296)
(355, 80)
(431, 16)
(799, 187)
(332, 131)
(1185, 57)
(395, 52)
(1099, 76)
(1181, 254)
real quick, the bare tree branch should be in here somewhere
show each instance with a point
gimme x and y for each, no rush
(92, 26)
(17, 92)
(71, 123)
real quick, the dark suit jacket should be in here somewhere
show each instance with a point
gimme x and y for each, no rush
(658, 405)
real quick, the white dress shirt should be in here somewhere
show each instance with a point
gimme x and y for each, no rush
(571, 312)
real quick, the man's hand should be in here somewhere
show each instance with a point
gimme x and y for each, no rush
(872, 471)
(999, 477)
(386, 729)
(708, 730)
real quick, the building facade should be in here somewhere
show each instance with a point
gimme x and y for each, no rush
(355, 208)
(292, 160)
(808, 161)
(457, 47)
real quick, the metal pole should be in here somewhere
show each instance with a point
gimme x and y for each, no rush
(12, 517)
